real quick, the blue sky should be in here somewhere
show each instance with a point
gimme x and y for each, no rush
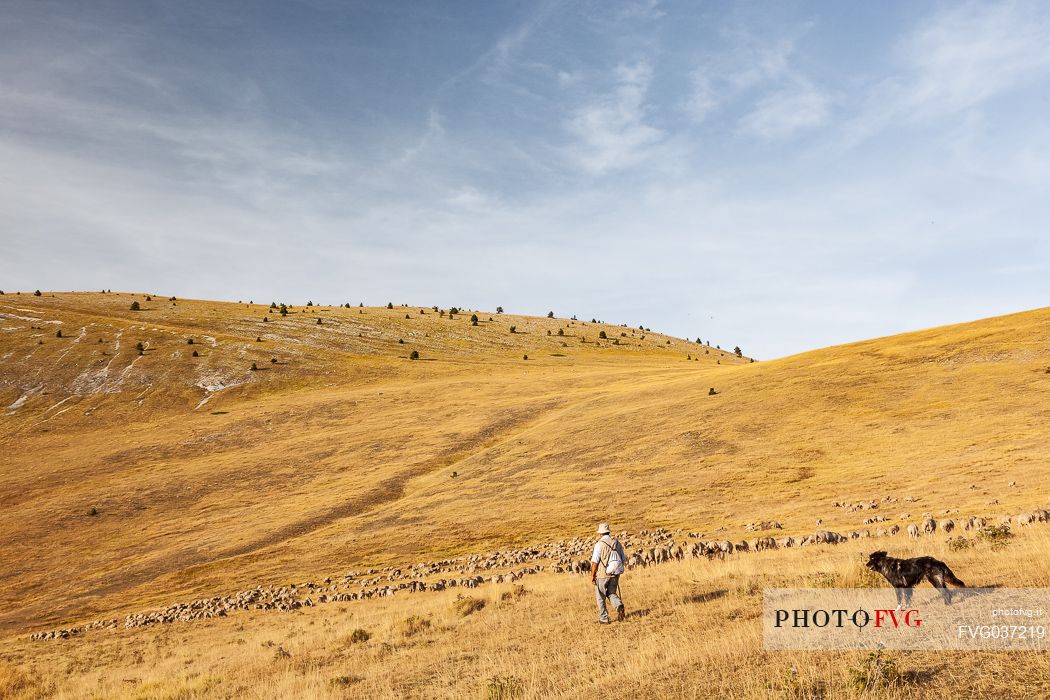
(781, 176)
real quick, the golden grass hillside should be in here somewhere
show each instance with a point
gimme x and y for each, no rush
(121, 488)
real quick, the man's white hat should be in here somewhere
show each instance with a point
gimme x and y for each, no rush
(604, 529)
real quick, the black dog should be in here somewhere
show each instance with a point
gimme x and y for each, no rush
(903, 574)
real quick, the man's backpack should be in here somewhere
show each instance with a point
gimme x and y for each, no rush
(615, 565)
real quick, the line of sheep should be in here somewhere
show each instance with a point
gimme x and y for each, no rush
(647, 548)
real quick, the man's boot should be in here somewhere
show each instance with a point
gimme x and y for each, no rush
(620, 614)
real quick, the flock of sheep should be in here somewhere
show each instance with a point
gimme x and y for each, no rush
(647, 548)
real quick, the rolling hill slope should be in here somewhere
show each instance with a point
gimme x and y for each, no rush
(205, 476)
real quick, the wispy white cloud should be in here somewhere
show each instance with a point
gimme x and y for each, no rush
(783, 113)
(969, 53)
(954, 62)
(611, 131)
(755, 77)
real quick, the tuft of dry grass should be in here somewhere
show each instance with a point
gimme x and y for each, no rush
(467, 605)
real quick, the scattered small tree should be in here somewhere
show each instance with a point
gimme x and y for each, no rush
(738, 352)
(273, 304)
(390, 305)
(602, 335)
(273, 360)
(711, 391)
(149, 298)
(135, 306)
(499, 309)
(319, 322)
(195, 354)
(258, 339)
(561, 331)
(513, 329)
(525, 357)
(189, 341)
(37, 293)
(254, 367)
(474, 320)
(58, 333)
(309, 303)
(414, 355)
(548, 331)
(284, 310)
(453, 310)
(550, 314)
(92, 511)
(401, 341)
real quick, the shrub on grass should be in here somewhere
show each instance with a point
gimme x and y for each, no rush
(550, 314)
(195, 354)
(135, 306)
(414, 355)
(499, 309)
(474, 320)
(359, 635)
(254, 367)
(877, 670)
(998, 536)
(58, 333)
(602, 335)
(390, 305)
(513, 329)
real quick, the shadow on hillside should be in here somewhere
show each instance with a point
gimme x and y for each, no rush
(705, 597)
(961, 594)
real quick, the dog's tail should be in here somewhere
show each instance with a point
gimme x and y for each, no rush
(951, 578)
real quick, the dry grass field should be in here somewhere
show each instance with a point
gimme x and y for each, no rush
(132, 480)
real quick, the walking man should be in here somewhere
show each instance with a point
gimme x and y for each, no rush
(606, 566)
